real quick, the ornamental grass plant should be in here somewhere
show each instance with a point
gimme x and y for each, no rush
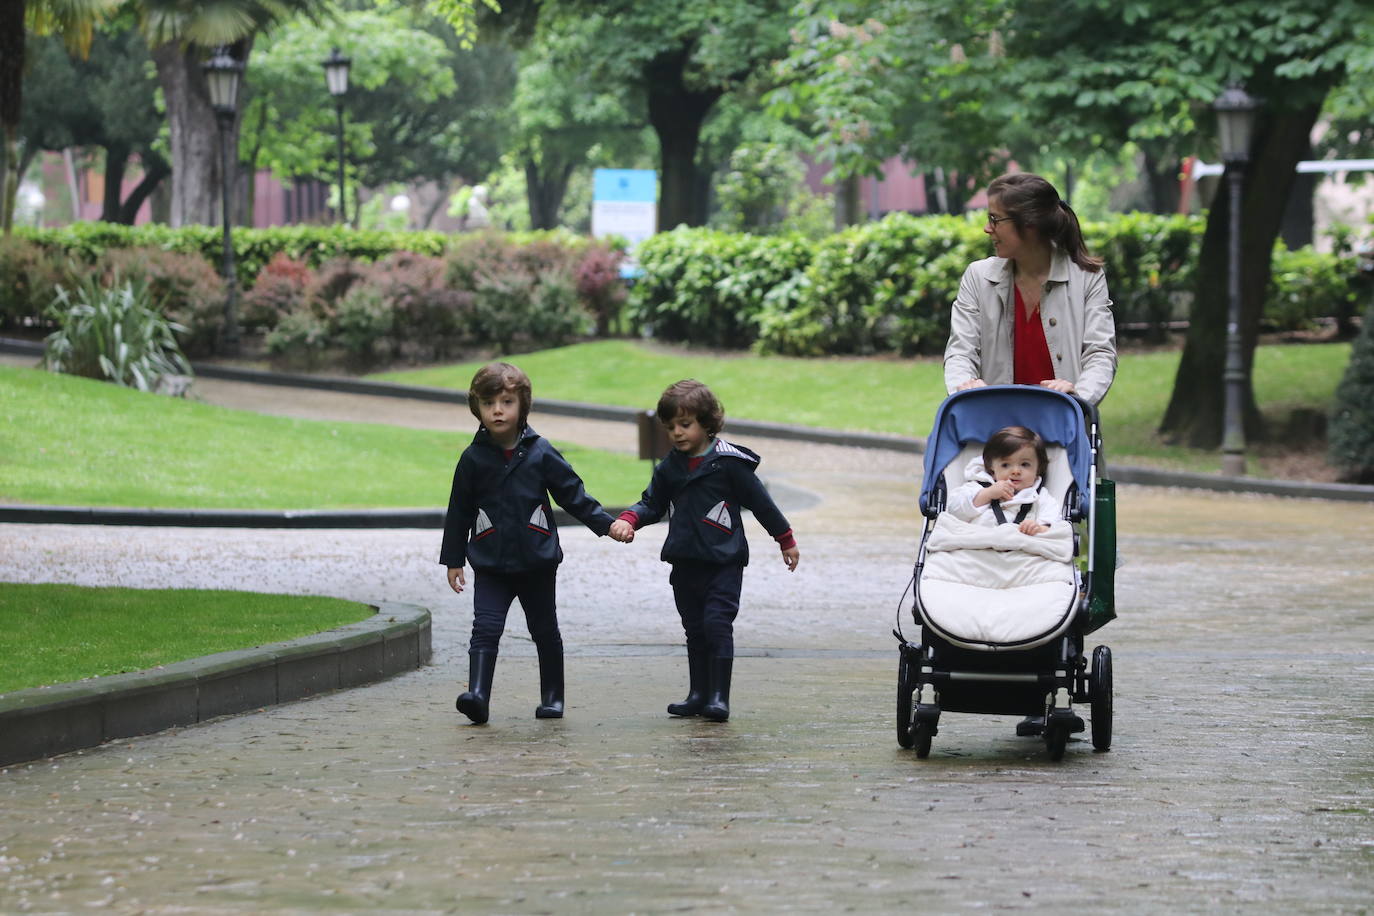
(114, 334)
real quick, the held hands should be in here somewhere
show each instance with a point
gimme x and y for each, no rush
(622, 531)
(455, 579)
(791, 556)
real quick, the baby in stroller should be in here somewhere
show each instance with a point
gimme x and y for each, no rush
(1001, 599)
(1010, 473)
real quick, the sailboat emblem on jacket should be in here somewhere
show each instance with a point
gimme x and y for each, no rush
(539, 521)
(720, 516)
(482, 527)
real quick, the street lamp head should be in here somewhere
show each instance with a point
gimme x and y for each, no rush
(222, 75)
(336, 72)
(1235, 110)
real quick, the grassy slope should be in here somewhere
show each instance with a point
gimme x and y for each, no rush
(72, 441)
(891, 395)
(52, 634)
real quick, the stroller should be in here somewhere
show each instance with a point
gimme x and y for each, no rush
(1001, 630)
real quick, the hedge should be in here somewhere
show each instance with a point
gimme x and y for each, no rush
(886, 286)
(880, 287)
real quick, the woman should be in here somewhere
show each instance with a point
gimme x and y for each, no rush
(1037, 313)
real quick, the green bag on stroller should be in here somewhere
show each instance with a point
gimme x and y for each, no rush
(1102, 597)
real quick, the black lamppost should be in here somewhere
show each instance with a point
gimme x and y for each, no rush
(1235, 110)
(336, 78)
(222, 75)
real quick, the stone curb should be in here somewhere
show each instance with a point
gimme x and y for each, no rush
(912, 445)
(45, 721)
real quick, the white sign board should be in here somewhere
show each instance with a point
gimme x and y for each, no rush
(625, 203)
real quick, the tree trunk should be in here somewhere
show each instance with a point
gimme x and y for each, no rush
(1196, 407)
(677, 114)
(155, 168)
(11, 102)
(116, 161)
(1162, 182)
(194, 131)
(544, 192)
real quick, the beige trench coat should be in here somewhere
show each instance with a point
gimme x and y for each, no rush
(1074, 309)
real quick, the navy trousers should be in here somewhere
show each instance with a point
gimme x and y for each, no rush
(707, 597)
(492, 594)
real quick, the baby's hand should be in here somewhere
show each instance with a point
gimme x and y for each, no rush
(1002, 489)
(622, 531)
(1031, 526)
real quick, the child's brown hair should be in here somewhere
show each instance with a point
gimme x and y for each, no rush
(694, 398)
(1011, 439)
(494, 378)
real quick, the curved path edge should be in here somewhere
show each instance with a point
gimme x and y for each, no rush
(45, 721)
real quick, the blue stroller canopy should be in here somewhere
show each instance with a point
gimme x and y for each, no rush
(974, 415)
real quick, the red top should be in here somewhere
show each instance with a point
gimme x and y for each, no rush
(1031, 363)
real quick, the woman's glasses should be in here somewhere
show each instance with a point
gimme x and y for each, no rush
(994, 220)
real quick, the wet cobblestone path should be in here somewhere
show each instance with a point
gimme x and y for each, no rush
(1241, 776)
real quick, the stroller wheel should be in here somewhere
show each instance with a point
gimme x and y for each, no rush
(906, 685)
(1100, 690)
(921, 733)
(1056, 738)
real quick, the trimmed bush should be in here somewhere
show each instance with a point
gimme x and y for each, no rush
(1307, 284)
(29, 278)
(709, 287)
(181, 286)
(1350, 443)
(278, 291)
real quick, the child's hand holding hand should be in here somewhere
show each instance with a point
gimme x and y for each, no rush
(455, 579)
(622, 531)
(1031, 526)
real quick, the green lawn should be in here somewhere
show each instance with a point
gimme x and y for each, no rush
(73, 441)
(53, 634)
(890, 395)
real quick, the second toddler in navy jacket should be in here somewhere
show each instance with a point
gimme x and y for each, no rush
(702, 485)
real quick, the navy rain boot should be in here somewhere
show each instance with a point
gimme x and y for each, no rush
(474, 702)
(717, 708)
(696, 685)
(550, 683)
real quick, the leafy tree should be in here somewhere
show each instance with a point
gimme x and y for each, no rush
(105, 100)
(75, 21)
(562, 124)
(407, 119)
(179, 32)
(972, 84)
(679, 57)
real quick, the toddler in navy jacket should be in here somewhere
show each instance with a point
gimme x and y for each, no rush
(702, 485)
(500, 521)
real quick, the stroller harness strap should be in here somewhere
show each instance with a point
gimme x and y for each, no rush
(1001, 516)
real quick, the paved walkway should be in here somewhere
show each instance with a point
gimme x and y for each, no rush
(1239, 778)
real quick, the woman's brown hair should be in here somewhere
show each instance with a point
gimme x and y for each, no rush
(1033, 203)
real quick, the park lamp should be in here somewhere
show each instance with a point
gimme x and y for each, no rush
(336, 80)
(222, 75)
(1235, 110)
(336, 72)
